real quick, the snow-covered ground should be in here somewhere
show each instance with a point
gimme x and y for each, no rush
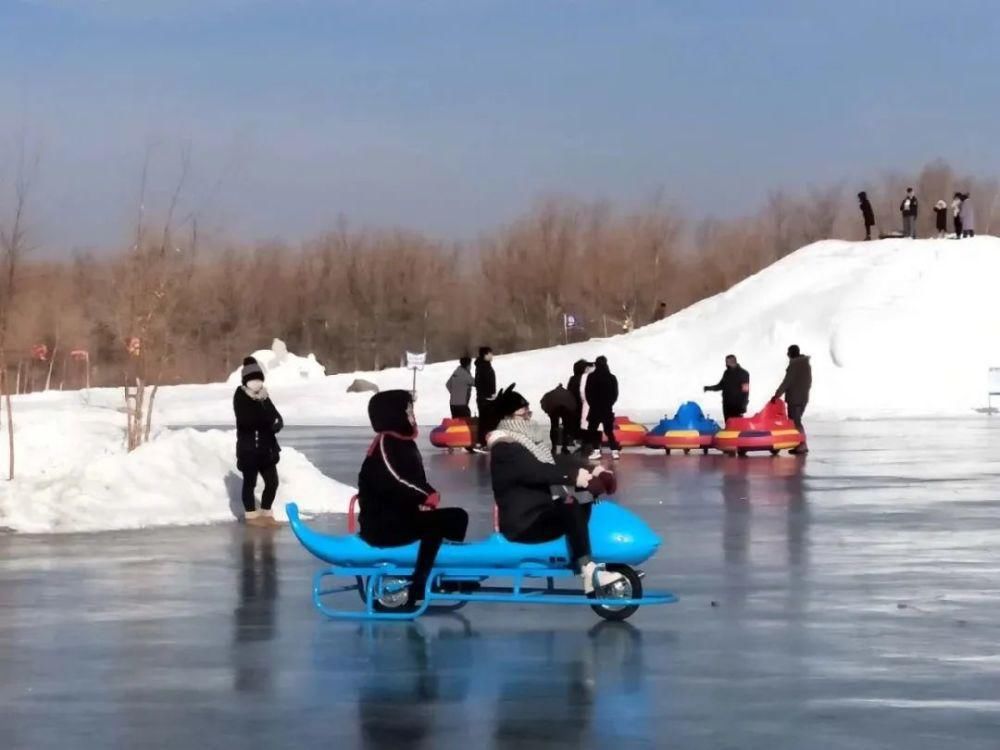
(895, 328)
(73, 474)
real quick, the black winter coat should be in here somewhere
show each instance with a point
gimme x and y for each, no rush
(558, 401)
(941, 219)
(735, 387)
(257, 423)
(392, 486)
(867, 212)
(912, 211)
(797, 382)
(522, 486)
(486, 380)
(602, 391)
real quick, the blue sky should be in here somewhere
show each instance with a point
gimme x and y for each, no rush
(454, 117)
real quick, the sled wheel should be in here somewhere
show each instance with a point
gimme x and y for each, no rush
(742, 452)
(628, 588)
(394, 591)
(687, 451)
(450, 451)
(704, 451)
(774, 451)
(667, 451)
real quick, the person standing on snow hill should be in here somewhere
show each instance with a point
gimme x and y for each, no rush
(735, 387)
(398, 506)
(908, 208)
(795, 387)
(460, 386)
(560, 407)
(257, 449)
(956, 213)
(941, 219)
(867, 213)
(601, 393)
(968, 217)
(486, 388)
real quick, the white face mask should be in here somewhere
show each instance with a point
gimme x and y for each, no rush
(255, 385)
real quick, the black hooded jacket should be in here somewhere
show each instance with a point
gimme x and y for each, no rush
(912, 209)
(866, 210)
(735, 387)
(486, 379)
(392, 484)
(602, 389)
(257, 423)
(522, 486)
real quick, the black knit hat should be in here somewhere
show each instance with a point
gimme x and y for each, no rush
(251, 370)
(508, 401)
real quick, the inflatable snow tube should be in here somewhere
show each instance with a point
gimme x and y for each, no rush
(628, 433)
(689, 430)
(452, 433)
(768, 430)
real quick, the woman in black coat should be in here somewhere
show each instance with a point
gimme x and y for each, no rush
(398, 505)
(257, 449)
(534, 495)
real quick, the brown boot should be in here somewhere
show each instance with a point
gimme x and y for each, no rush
(268, 521)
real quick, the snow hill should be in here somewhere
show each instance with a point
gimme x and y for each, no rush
(895, 328)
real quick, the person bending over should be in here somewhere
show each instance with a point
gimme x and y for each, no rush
(534, 495)
(398, 506)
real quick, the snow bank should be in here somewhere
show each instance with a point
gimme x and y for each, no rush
(281, 367)
(895, 328)
(73, 474)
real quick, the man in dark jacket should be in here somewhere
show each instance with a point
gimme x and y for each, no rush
(460, 386)
(867, 213)
(560, 406)
(795, 387)
(486, 388)
(735, 387)
(601, 394)
(398, 505)
(908, 208)
(257, 449)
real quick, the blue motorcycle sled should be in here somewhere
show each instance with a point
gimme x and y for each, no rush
(620, 540)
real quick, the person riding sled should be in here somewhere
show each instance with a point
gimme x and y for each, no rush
(537, 499)
(398, 506)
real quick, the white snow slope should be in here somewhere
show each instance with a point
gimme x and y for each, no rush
(73, 474)
(895, 328)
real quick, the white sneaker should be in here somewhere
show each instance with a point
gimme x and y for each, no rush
(604, 578)
(595, 455)
(615, 455)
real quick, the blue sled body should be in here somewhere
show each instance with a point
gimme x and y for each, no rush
(688, 417)
(619, 539)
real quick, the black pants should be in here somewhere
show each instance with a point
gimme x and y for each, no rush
(868, 231)
(562, 519)
(729, 410)
(430, 528)
(958, 227)
(483, 407)
(270, 475)
(968, 232)
(460, 412)
(795, 412)
(559, 422)
(606, 420)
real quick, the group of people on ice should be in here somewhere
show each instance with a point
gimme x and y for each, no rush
(961, 210)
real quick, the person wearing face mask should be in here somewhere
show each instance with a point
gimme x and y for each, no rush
(257, 449)
(398, 506)
(534, 495)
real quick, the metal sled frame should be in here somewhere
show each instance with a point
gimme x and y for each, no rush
(369, 582)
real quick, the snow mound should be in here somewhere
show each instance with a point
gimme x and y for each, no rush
(281, 367)
(84, 480)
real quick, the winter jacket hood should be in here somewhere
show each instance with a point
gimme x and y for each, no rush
(387, 413)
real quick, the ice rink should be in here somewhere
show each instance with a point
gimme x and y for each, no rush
(847, 600)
